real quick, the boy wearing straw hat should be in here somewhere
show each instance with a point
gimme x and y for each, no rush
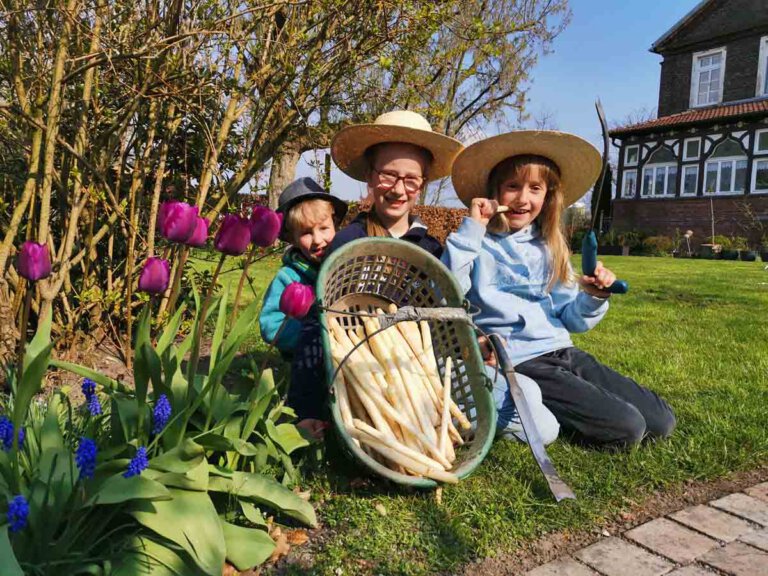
(512, 259)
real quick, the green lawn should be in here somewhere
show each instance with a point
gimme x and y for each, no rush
(696, 331)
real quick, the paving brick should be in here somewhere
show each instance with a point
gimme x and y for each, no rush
(738, 559)
(744, 506)
(758, 539)
(712, 522)
(562, 567)
(672, 540)
(614, 557)
(760, 491)
(692, 571)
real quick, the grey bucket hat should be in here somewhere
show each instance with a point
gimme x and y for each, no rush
(303, 189)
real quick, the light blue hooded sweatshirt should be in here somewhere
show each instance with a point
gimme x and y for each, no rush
(506, 276)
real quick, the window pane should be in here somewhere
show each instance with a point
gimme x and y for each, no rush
(741, 176)
(727, 148)
(762, 140)
(630, 182)
(726, 171)
(761, 178)
(632, 155)
(691, 174)
(710, 185)
(647, 182)
(671, 181)
(659, 187)
(715, 58)
(692, 149)
(662, 155)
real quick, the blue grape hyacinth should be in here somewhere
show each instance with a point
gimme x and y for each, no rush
(91, 399)
(18, 511)
(161, 414)
(85, 457)
(138, 463)
(6, 434)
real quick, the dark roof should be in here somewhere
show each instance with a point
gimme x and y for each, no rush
(697, 116)
(695, 11)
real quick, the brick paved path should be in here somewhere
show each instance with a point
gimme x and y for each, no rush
(728, 536)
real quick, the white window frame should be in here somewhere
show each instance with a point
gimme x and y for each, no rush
(762, 68)
(626, 155)
(695, 76)
(624, 184)
(660, 166)
(685, 149)
(757, 142)
(682, 181)
(753, 187)
(720, 162)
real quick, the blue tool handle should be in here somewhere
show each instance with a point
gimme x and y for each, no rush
(589, 263)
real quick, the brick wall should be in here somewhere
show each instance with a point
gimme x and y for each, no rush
(666, 216)
(736, 24)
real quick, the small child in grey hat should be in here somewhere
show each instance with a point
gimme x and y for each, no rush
(311, 216)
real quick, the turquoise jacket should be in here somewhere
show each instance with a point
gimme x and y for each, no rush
(506, 276)
(295, 269)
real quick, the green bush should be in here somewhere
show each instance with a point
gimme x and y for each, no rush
(725, 242)
(738, 243)
(631, 238)
(658, 245)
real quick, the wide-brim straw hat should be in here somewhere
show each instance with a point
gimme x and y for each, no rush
(579, 162)
(402, 126)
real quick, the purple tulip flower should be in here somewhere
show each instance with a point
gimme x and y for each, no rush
(34, 262)
(177, 220)
(233, 236)
(265, 226)
(154, 276)
(200, 235)
(296, 300)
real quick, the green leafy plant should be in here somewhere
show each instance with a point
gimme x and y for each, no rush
(658, 245)
(176, 484)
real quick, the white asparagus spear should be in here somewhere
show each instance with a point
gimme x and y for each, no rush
(343, 399)
(426, 460)
(403, 460)
(433, 371)
(443, 440)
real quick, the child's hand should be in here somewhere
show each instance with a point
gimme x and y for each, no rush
(482, 210)
(486, 350)
(595, 285)
(315, 428)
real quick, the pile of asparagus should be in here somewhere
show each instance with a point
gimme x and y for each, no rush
(391, 398)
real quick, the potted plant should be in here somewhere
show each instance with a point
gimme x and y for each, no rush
(740, 245)
(629, 240)
(727, 251)
(609, 244)
(764, 249)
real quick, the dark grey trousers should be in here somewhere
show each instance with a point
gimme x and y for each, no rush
(598, 405)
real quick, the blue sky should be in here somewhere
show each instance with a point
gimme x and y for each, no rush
(602, 53)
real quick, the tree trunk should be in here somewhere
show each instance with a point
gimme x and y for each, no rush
(283, 169)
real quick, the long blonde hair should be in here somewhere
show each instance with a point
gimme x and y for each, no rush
(550, 217)
(373, 225)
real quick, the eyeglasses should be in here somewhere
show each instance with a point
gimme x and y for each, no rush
(388, 180)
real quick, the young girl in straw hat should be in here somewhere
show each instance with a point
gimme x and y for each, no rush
(512, 259)
(396, 156)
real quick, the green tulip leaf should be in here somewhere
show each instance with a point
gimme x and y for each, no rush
(183, 458)
(287, 436)
(118, 489)
(155, 558)
(264, 490)
(190, 521)
(247, 547)
(9, 566)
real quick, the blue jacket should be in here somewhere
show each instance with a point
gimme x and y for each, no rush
(417, 234)
(506, 276)
(295, 269)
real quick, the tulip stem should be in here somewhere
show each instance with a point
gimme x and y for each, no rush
(243, 276)
(181, 261)
(23, 330)
(196, 342)
(272, 345)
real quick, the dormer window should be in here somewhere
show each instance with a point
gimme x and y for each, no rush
(762, 69)
(707, 77)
